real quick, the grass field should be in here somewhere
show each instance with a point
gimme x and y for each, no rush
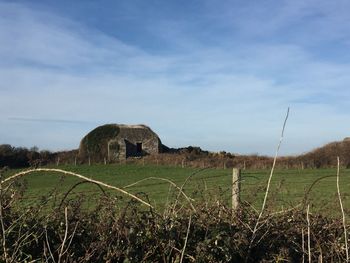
(287, 190)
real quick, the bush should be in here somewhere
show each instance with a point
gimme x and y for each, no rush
(116, 231)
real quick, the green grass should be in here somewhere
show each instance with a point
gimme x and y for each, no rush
(288, 187)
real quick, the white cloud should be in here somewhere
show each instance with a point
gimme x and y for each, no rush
(216, 97)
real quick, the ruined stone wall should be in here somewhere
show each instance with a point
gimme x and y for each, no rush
(117, 142)
(125, 144)
(150, 141)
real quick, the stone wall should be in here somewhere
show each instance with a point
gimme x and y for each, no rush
(133, 141)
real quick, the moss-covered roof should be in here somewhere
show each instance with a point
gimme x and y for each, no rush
(92, 141)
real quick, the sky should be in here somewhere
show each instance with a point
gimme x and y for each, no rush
(215, 74)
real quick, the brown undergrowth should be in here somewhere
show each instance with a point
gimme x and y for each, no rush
(114, 231)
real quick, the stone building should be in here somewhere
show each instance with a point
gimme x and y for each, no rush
(117, 142)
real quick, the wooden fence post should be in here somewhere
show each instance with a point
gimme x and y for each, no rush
(108, 151)
(183, 163)
(58, 161)
(236, 185)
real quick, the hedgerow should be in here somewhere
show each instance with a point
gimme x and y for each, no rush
(115, 231)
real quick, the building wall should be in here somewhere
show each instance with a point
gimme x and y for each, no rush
(125, 145)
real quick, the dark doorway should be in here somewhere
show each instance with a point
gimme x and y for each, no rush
(139, 148)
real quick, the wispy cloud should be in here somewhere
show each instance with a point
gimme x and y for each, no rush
(20, 119)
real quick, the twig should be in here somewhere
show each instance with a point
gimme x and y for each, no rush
(342, 211)
(254, 209)
(77, 175)
(76, 185)
(48, 246)
(167, 202)
(303, 244)
(3, 230)
(166, 180)
(308, 233)
(185, 182)
(188, 231)
(268, 185)
(311, 186)
(65, 235)
(273, 168)
(320, 257)
(286, 211)
(21, 241)
(71, 237)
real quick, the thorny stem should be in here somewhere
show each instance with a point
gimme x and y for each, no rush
(268, 185)
(65, 234)
(187, 233)
(170, 182)
(76, 175)
(302, 244)
(272, 169)
(342, 211)
(308, 233)
(2, 221)
(48, 246)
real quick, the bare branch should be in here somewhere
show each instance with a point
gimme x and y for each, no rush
(3, 230)
(268, 185)
(48, 246)
(188, 231)
(342, 211)
(308, 233)
(166, 180)
(65, 235)
(76, 175)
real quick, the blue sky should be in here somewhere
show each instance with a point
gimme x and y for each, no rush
(215, 74)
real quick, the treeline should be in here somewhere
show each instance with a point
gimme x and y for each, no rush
(323, 157)
(16, 157)
(20, 157)
(326, 156)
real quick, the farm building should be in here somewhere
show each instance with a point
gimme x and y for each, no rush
(117, 142)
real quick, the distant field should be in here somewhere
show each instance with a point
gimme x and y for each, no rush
(287, 190)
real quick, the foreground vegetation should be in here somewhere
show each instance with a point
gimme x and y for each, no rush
(46, 217)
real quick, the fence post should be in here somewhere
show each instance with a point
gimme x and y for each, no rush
(108, 153)
(75, 161)
(236, 185)
(58, 161)
(89, 161)
(183, 163)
